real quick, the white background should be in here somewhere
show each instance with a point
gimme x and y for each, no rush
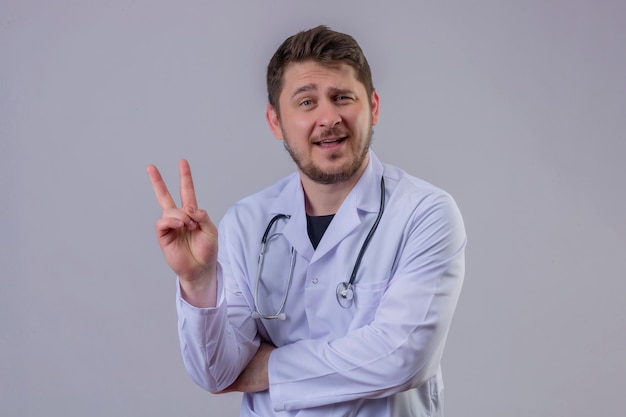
(515, 107)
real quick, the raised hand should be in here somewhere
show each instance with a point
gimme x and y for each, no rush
(187, 237)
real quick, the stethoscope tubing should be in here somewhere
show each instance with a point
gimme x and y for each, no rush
(279, 314)
(367, 240)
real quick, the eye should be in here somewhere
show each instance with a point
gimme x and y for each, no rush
(306, 103)
(343, 98)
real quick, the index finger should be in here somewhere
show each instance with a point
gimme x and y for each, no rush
(187, 191)
(164, 198)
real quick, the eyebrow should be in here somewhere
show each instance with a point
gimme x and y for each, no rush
(304, 88)
(341, 91)
(313, 87)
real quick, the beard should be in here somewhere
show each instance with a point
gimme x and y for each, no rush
(339, 175)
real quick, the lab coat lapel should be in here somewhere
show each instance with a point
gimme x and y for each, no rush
(290, 201)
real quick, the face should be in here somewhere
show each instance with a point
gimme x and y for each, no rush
(325, 121)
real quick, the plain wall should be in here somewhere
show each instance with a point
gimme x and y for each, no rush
(515, 107)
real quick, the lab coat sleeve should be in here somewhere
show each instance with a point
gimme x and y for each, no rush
(216, 343)
(401, 348)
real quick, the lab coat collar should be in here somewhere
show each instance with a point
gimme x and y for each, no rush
(365, 195)
(363, 199)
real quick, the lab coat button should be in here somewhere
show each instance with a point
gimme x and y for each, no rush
(314, 280)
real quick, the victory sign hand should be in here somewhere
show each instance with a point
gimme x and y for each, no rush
(186, 235)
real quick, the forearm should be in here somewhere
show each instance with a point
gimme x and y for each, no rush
(215, 346)
(255, 377)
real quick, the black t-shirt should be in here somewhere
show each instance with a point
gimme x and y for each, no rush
(316, 226)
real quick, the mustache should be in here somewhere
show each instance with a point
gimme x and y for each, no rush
(333, 132)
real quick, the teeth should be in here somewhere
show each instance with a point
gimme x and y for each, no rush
(327, 141)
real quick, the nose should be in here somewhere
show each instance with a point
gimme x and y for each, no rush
(328, 114)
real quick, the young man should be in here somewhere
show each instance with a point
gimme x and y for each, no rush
(333, 290)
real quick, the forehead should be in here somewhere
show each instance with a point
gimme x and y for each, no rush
(313, 74)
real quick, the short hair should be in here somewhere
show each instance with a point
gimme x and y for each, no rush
(323, 46)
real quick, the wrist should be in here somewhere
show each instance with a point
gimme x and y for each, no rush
(201, 291)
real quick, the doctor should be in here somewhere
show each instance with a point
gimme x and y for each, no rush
(347, 310)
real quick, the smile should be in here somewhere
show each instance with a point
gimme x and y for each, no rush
(330, 141)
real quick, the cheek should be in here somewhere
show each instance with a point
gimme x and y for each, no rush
(361, 120)
(299, 127)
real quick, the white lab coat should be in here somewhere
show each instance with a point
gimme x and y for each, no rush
(378, 358)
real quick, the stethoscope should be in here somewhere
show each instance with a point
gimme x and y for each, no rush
(344, 292)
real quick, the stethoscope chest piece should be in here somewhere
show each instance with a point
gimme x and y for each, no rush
(345, 295)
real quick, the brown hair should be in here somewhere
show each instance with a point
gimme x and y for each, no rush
(323, 46)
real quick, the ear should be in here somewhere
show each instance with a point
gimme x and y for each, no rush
(375, 107)
(274, 122)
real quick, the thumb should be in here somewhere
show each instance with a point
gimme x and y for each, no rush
(201, 217)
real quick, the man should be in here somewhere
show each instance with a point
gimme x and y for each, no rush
(347, 309)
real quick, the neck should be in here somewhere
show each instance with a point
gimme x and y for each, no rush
(322, 200)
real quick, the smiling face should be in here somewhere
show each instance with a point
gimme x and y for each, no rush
(325, 120)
